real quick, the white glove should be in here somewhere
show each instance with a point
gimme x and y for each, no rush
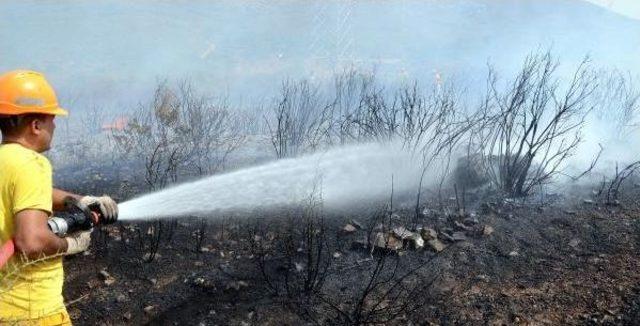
(108, 207)
(78, 242)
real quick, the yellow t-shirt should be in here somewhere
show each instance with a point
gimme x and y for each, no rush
(28, 290)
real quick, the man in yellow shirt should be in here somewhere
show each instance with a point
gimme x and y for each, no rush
(31, 283)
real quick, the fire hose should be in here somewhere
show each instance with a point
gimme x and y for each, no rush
(79, 217)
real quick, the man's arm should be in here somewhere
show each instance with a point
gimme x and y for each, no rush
(32, 236)
(58, 199)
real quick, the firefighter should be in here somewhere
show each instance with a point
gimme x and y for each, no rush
(33, 293)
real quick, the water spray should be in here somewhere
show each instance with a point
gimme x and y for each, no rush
(341, 176)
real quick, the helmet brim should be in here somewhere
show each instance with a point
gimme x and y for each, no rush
(10, 110)
(59, 111)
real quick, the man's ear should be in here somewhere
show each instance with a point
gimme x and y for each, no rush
(35, 125)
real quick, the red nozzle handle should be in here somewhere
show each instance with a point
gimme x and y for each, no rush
(6, 251)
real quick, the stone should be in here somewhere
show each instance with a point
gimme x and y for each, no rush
(459, 236)
(106, 277)
(104, 274)
(237, 285)
(436, 245)
(428, 234)
(348, 229)
(461, 226)
(149, 309)
(121, 298)
(203, 283)
(471, 220)
(402, 233)
(487, 230)
(514, 254)
(271, 236)
(416, 241)
(357, 224)
(148, 256)
(427, 212)
(574, 243)
(388, 241)
(337, 255)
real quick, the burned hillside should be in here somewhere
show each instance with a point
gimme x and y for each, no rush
(500, 223)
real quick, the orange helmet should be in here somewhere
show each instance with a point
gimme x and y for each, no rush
(24, 91)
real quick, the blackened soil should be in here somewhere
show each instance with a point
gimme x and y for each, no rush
(543, 264)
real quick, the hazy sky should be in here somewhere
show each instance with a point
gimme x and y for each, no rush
(103, 52)
(630, 8)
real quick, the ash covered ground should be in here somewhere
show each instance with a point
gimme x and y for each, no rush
(520, 219)
(562, 259)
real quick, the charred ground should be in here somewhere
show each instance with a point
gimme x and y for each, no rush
(565, 260)
(490, 243)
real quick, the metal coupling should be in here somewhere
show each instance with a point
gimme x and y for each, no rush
(58, 226)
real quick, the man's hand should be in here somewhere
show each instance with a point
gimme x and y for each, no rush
(78, 242)
(108, 207)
